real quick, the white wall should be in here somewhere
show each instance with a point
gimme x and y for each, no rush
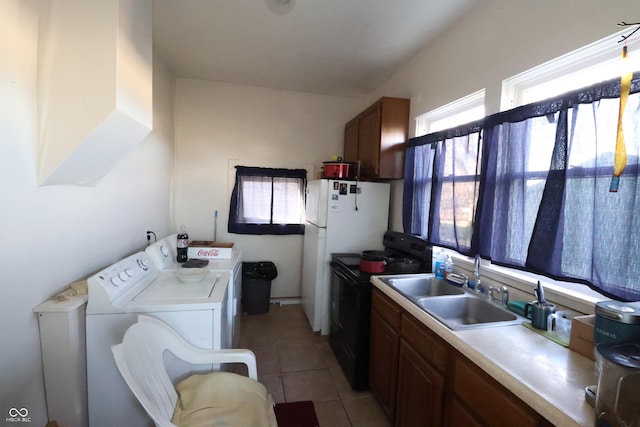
(497, 40)
(50, 236)
(220, 125)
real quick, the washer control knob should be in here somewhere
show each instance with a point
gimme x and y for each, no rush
(143, 264)
(128, 272)
(164, 250)
(123, 276)
(114, 281)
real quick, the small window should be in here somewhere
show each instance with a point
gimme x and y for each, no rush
(267, 201)
(594, 63)
(461, 111)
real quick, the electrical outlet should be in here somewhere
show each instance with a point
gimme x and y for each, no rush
(148, 234)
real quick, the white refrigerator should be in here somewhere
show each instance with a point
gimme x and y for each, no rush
(341, 216)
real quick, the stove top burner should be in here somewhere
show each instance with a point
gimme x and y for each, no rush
(403, 253)
(403, 261)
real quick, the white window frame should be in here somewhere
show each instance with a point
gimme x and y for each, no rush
(603, 53)
(458, 109)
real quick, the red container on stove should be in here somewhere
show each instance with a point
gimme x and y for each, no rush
(372, 264)
(338, 170)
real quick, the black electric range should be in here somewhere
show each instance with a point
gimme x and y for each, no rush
(350, 308)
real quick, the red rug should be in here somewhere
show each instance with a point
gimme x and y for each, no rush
(296, 414)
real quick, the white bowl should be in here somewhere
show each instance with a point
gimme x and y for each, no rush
(189, 275)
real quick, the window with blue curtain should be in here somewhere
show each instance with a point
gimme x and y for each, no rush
(441, 186)
(267, 201)
(544, 201)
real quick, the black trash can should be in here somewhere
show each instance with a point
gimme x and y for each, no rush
(256, 286)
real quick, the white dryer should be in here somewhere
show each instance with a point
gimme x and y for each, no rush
(163, 255)
(197, 310)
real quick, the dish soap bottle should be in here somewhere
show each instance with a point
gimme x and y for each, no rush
(448, 267)
(183, 244)
(441, 264)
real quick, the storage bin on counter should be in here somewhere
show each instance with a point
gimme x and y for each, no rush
(207, 249)
(256, 286)
(581, 340)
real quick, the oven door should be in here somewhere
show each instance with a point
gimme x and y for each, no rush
(350, 315)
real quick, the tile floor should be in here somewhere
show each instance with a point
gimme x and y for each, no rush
(295, 364)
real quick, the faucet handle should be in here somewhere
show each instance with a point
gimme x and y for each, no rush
(503, 292)
(505, 295)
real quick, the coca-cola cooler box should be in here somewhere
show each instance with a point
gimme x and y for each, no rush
(206, 249)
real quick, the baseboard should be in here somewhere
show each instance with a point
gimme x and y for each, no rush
(286, 301)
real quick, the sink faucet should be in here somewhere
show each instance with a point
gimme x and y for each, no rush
(503, 294)
(477, 283)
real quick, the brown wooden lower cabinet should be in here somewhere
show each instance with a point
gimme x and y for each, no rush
(457, 415)
(420, 380)
(485, 401)
(420, 391)
(383, 357)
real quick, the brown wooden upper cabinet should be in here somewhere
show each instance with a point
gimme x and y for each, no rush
(377, 138)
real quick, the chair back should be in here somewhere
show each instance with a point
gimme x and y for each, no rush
(140, 360)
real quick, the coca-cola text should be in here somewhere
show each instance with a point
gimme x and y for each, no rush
(208, 252)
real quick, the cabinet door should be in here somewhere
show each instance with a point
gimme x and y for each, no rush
(369, 140)
(431, 348)
(383, 363)
(351, 141)
(394, 131)
(488, 402)
(458, 416)
(420, 391)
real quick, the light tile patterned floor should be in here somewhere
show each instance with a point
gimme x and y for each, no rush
(295, 364)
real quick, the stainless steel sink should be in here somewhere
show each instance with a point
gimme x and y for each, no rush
(468, 311)
(417, 286)
(456, 308)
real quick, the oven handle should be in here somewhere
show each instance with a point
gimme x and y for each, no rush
(341, 275)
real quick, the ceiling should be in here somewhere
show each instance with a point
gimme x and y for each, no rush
(337, 47)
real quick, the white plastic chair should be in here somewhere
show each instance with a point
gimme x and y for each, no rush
(140, 360)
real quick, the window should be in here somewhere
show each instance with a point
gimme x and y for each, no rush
(597, 62)
(545, 202)
(267, 201)
(441, 184)
(460, 111)
(441, 173)
(564, 221)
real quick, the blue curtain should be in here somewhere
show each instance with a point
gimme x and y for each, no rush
(441, 186)
(543, 203)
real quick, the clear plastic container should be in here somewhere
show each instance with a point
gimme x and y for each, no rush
(448, 267)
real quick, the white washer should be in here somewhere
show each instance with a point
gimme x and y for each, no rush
(117, 294)
(163, 254)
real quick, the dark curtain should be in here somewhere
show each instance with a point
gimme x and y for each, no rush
(441, 186)
(545, 203)
(267, 201)
(541, 201)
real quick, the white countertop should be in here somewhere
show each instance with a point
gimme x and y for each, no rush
(547, 376)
